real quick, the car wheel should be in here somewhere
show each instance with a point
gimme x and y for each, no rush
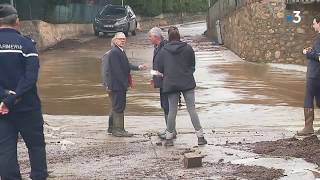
(106, 34)
(127, 31)
(96, 33)
(133, 33)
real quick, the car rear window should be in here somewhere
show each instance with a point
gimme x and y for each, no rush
(114, 11)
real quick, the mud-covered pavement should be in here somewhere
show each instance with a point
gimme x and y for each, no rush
(239, 104)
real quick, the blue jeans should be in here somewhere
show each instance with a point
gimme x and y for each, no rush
(189, 97)
(164, 102)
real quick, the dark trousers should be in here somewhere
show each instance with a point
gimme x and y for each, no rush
(312, 92)
(30, 127)
(164, 102)
(118, 101)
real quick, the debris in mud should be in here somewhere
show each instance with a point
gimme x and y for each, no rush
(234, 171)
(228, 154)
(140, 141)
(150, 134)
(187, 150)
(192, 160)
(307, 148)
(64, 144)
(256, 172)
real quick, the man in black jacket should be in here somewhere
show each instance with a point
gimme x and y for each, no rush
(313, 81)
(156, 38)
(20, 107)
(176, 61)
(117, 79)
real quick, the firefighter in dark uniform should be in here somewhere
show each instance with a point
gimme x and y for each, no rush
(116, 76)
(313, 82)
(20, 107)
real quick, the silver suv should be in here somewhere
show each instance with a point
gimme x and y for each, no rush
(115, 18)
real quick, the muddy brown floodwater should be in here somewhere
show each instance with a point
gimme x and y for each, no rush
(70, 80)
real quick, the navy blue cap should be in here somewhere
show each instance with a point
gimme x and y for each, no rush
(7, 10)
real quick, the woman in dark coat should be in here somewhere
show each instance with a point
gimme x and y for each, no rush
(176, 62)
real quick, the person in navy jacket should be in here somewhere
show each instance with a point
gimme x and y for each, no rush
(313, 81)
(20, 107)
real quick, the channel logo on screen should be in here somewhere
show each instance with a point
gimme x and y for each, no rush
(295, 17)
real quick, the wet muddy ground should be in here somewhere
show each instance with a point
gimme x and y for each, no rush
(249, 113)
(307, 148)
(79, 148)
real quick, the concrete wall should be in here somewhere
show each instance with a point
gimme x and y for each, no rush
(47, 35)
(146, 23)
(259, 31)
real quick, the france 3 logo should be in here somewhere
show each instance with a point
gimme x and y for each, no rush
(295, 18)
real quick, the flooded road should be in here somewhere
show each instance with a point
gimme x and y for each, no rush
(239, 104)
(70, 80)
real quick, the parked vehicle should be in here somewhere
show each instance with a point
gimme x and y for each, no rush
(115, 18)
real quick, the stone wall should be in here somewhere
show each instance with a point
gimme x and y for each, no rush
(47, 35)
(259, 31)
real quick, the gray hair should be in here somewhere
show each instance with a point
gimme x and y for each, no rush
(156, 32)
(113, 42)
(9, 20)
(119, 35)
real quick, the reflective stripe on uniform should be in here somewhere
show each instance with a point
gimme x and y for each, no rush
(20, 52)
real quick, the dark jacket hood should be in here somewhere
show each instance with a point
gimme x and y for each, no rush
(175, 47)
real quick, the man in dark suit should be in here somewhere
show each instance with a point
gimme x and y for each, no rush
(117, 79)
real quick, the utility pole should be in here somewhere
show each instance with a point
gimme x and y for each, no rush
(11, 2)
(181, 11)
(122, 2)
(209, 3)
